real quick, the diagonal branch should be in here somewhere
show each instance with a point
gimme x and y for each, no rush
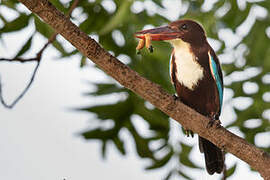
(188, 118)
(37, 59)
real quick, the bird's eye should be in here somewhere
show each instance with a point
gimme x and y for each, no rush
(184, 27)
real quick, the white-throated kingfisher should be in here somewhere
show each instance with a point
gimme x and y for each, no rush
(196, 75)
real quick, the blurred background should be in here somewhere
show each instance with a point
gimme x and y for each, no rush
(75, 122)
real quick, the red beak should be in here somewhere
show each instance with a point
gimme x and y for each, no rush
(158, 34)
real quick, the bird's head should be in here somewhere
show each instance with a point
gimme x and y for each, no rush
(187, 31)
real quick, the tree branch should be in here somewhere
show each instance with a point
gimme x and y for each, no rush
(11, 105)
(37, 59)
(187, 117)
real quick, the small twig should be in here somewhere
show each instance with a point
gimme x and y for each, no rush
(37, 59)
(22, 93)
(73, 6)
(22, 60)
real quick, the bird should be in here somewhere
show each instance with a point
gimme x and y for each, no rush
(196, 75)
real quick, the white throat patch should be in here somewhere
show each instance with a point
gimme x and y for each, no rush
(189, 72)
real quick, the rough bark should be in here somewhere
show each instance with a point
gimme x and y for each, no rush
(188, 118)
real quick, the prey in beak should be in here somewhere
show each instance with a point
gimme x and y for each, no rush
(156, 34)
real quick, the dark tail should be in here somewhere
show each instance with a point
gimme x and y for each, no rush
(214, 158)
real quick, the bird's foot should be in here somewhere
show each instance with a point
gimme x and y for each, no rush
(214, 122)
(175, 97)
(223, 148)
(189, 132)
(151, 49)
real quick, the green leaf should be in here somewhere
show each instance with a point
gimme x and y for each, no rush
(120, 111)
(156, 119)
(17, 24)
(104, 89)
(104, 149)
(159, 3)
(142, 144)
(3, 19)
(25, 47)
(233, 18)
(69, 54)
(60, 6)
(120, 17)
(119, 145)
(101, 134)
(11, 4)
(83, 61)
(184, 156)
(231, 171)
(162, 146)
(169, 175)
(183, 175)
(59, 47)
(43, 28)
(161, 162)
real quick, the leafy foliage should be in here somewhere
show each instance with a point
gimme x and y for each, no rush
(247, 68)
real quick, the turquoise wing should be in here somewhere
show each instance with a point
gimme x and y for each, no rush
(217, 75)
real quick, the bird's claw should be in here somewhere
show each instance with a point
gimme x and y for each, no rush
(214, 122)
(151, 49)
(223, 148)
(189, 132)
(175, 97)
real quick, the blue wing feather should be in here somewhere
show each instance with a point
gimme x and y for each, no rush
(215, 72)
